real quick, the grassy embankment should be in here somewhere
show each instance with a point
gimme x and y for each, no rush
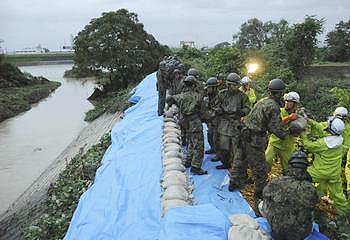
(19, 90)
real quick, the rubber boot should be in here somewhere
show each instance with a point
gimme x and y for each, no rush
(210, 151)
(198, 171)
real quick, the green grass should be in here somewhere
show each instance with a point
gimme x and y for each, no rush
(111, 102)
(29, 58)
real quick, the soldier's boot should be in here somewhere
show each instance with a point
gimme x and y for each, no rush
(215, 159)
(187, 164)
(222, 166)
(198, 171)
(210, 151)
(233, 186)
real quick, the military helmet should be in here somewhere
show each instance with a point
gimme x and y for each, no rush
(190, 79)
(212, 82)
(233, 78)
(162, 65)
(276, 85)
(193, 72)
(299, 160)
(292, 97)
(341, 112)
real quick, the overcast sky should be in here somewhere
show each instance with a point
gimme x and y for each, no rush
(26, 23)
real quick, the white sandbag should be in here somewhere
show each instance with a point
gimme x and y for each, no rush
(176, 148)
(173, 154)
(174, 174)
(174, 167)
(176, 192)
(169, 119)
(172, 130)
(168, 182)
(167, 145)
(172, 140)
(167, 204)
(171, 124)
(245, 227)
(169, 161)
(171, 135)
(169, 114)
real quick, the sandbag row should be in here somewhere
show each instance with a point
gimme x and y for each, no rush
(175, 182)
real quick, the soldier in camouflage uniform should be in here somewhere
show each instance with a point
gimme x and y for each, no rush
(233, 104)
(162, 85)
(289, 201)
(264, 117)
(221, 81)
(211, 104)
(190, 108)
(198, 85)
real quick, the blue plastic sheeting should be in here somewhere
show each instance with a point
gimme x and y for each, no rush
(194, 222)
(123, 202)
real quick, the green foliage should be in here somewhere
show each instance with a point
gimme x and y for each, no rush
(253, 34)
(111, 102)
(224, 59)
(64, 195)
(342, 95)
(300, 43)
(117, 44)
(338, 42)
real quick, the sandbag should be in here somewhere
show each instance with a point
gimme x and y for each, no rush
(172, 140)
(297, 126)
(173, 181)
(176, 192)
(174, 147)
(174, 167)
(174, 174)
(173, 154)
(169, 161)
(172, 130)
(170, 144)
(171, 135)
(245, 227)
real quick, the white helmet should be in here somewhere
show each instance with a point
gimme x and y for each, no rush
(245, 80)
(292, 96)
(335, 125)
(340, 112)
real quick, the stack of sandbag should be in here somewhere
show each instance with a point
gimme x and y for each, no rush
(245, 227)
(175, 182)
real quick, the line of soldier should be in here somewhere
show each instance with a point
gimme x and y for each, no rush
(245, 134)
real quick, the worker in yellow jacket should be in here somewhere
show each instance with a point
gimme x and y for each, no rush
(248, 90)
(326, 168)
(277, 147)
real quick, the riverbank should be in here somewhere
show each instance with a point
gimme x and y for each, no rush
(32, 205)
(38, 59)
(14, 100)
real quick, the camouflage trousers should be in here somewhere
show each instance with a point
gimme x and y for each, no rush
(195, 149)
(282, 229)
(161, 100)
(213, 136)
(253, 150)
(229, 150)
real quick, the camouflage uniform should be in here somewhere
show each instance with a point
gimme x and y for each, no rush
(265, 116)
(162, 86)
(288, 205)
(232, 106)
(190, 107)
(211, 104)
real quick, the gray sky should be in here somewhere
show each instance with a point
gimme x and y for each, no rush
(26, 23)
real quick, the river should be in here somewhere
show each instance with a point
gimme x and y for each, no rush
(31, 141)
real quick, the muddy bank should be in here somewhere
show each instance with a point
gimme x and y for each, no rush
(28, 207)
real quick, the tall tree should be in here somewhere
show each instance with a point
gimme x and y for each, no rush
(338, 42)
(253, 34)
(116, 43)
(300, 43)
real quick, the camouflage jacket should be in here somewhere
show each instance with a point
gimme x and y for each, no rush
(265, 116)
(289, 203)
(162, 81)
(232, 106)
(198, 86)
(190, 106)
(211, 103)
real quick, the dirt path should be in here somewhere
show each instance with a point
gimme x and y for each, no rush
(27, 206)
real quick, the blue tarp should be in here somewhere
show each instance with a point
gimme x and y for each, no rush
(124, 201)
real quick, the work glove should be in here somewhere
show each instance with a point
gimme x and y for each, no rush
(289, 118)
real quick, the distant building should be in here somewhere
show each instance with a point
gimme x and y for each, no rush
(36, 50)
(187, 43)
